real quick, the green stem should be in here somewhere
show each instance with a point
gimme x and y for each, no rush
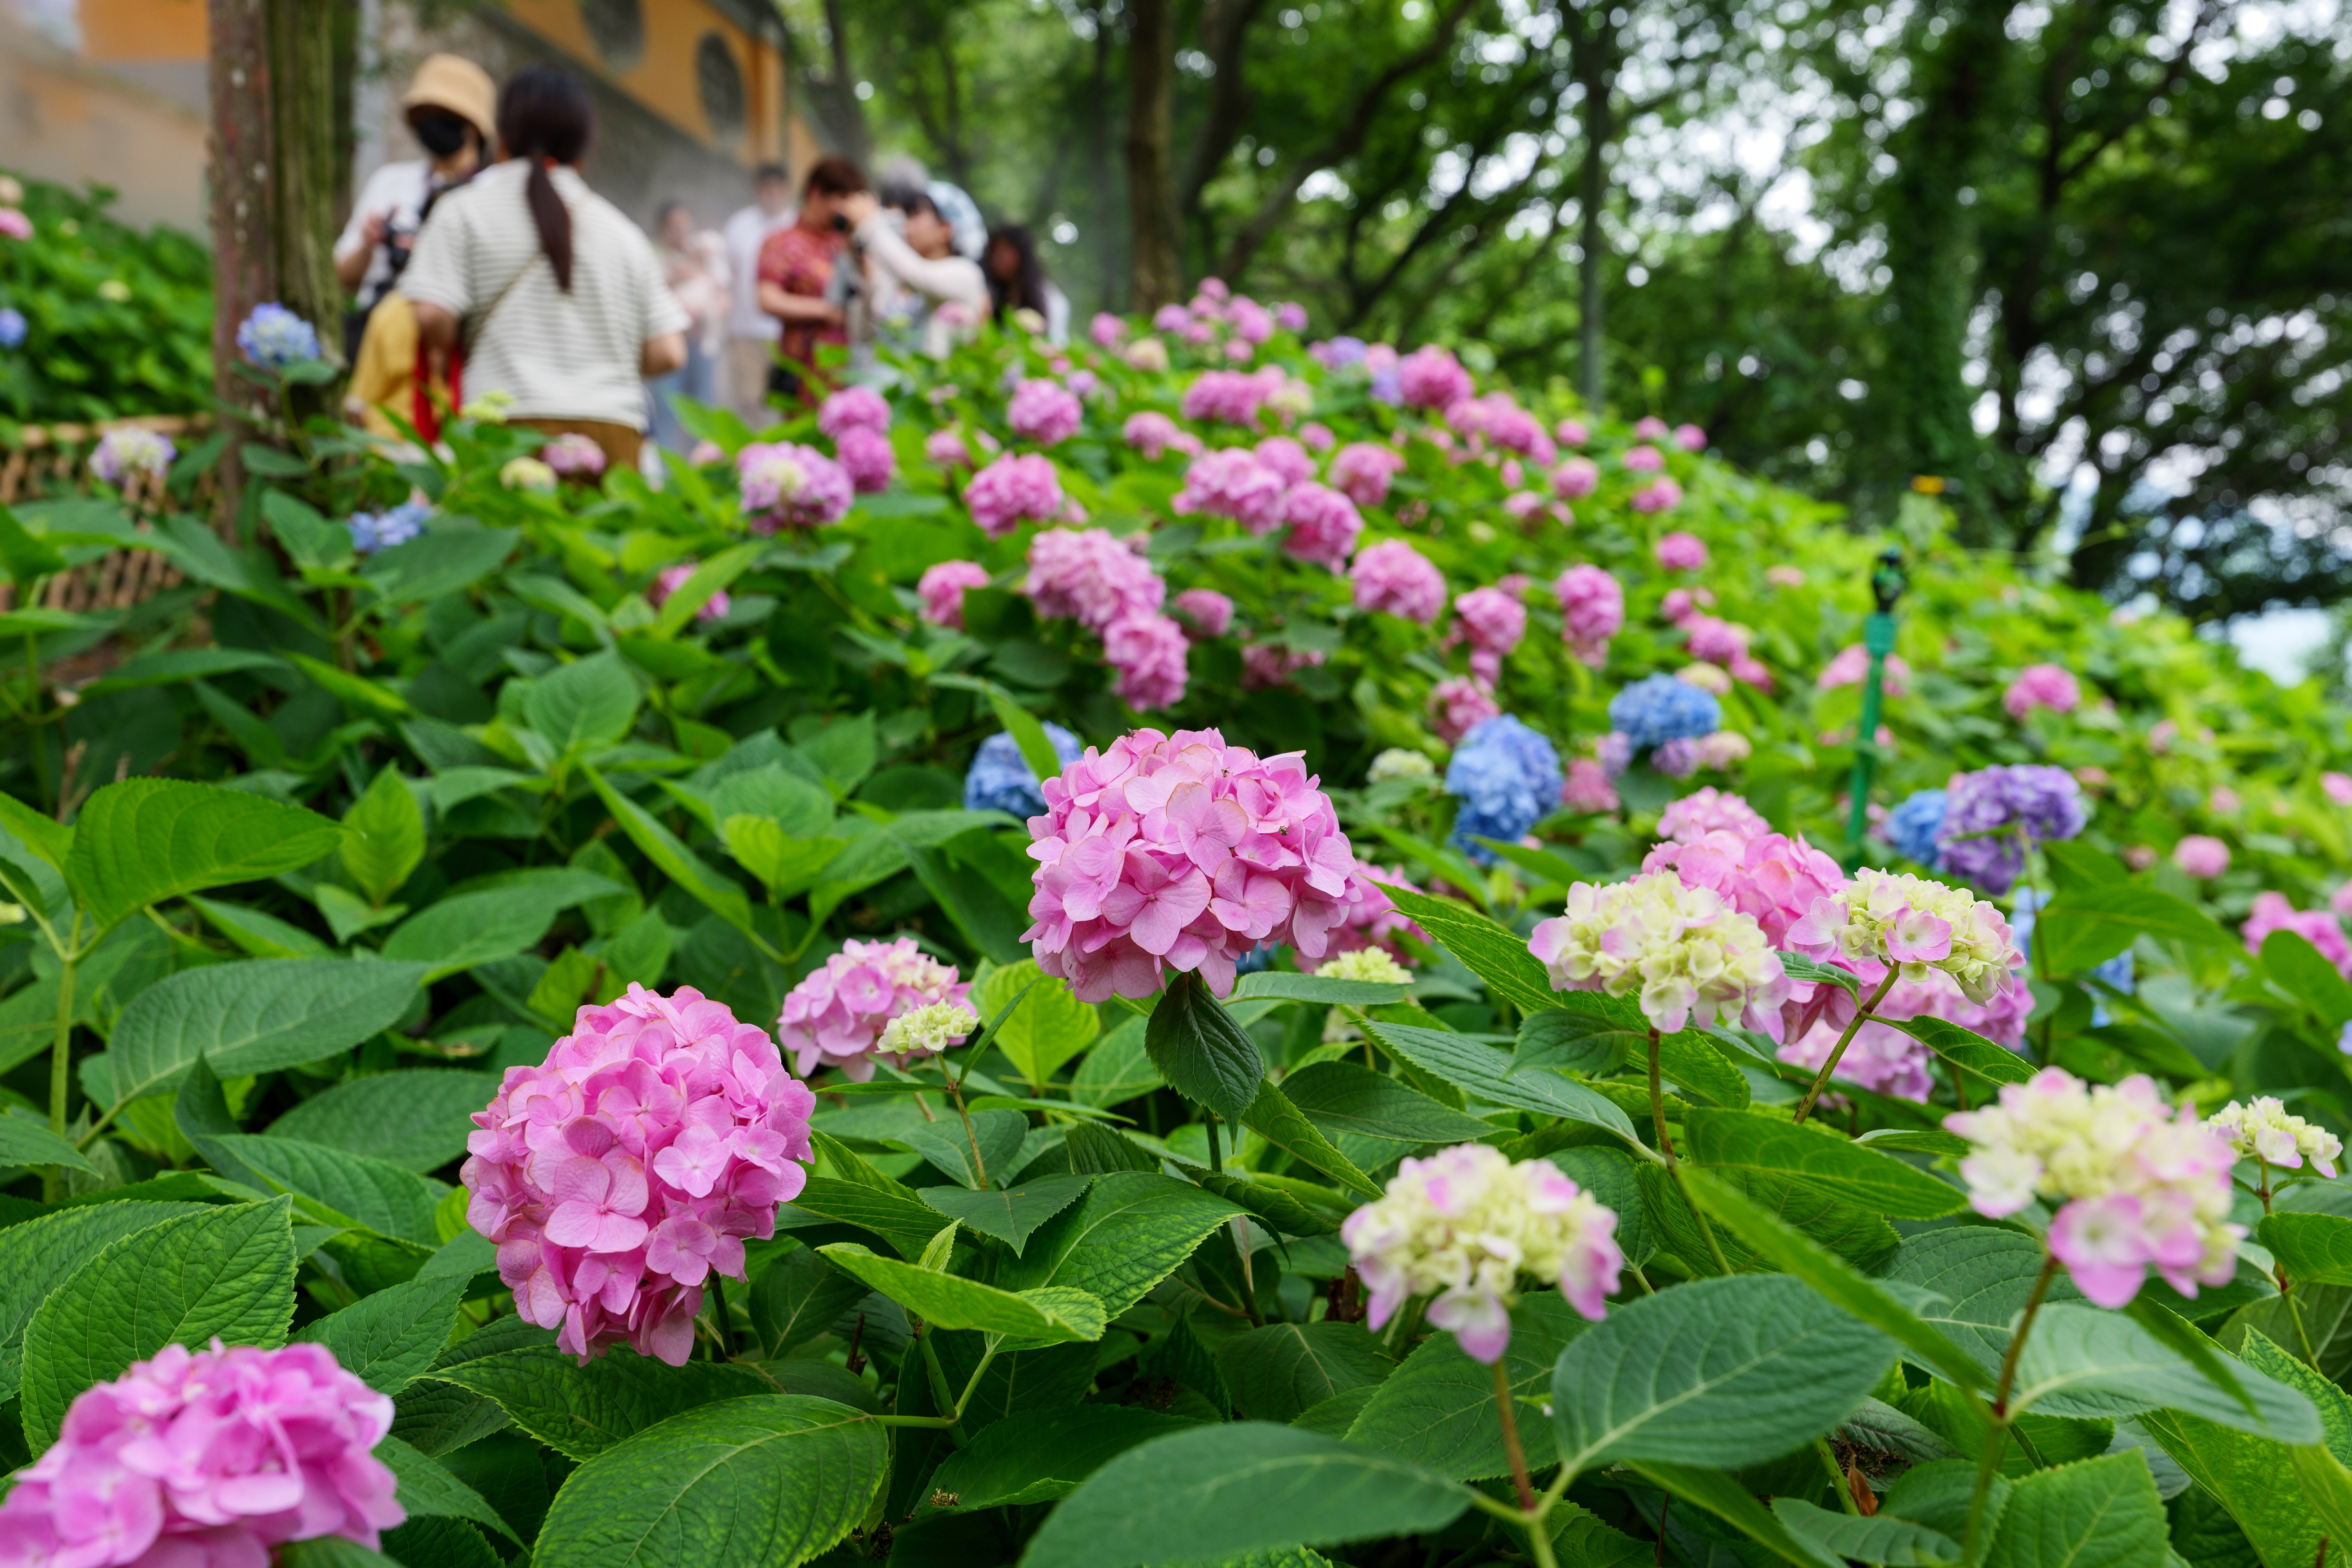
(61, 1070)
(939, 1389)
(1674, 1165)
(955, 1092)
(1538, 1536)
(2285, 1286)
(1997, 1427)
(1860, 1016)
(1837, 1475)
(1216, 1158)
(1507, 1414)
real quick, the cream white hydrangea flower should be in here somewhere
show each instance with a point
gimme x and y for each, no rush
(1919, 927)
(2267, 1132)
(1463, 1226)
(1685, 951)
(487, 409)
(929, 1029)
(1397, 762)
(527, 474)
(1366, 963)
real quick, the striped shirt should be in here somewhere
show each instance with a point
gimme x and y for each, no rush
(559, 355)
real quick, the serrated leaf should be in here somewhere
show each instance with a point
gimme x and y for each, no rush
(226, 1272)
(674, 859)
(42, 1253)
(1046, 1314)
(1037, 1456)
(895, 1216)
(1972, 1282)
(2088, 924)
(1817, 1160)
(2099, 1513)
(582, 706)
(2082, 1362)
(1438, 1408)
(797, 1297)
(2314, 1248)
(1047, 1026)
(24, 1142)
(1797, 966)
(417, 1119)
(1724, 1497)
(1272, 1118)
(469, 929)
(1898, 1543)
(1284, 985)
(144, 840)
(1129, 1233)
(427, 1490)
(1482, 1070)
(384, 1198)
(1350, 1098)
(387, 1339)
(1276, 1372)
(1494, 954)
(1988, 1059)
(255, 1016)
(383, 836)
(1203, 1053)
(1579, 1040)
(584, 1411)
(1012, 1214)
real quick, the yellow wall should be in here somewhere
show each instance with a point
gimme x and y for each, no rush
(143, 29)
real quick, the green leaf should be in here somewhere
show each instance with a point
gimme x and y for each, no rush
(383, 836)
(1284, 985)
(1494, 954)
(1882, 1540)
(1488, 1073)
(1037, 1456)
(584, 1411)
(2089, 924)
(384, 1198)
(797, 1297)
(145, 840)
(387, 1339)
(427, 1491)
(1048, 1026)
(2252, 1478)
(766, 1482)
(357, 693)
(582, 706)
(261, 935)
(333, 1551)
(1728, 1501)
(2081, 1362)
(1836, 1280)
(1983, 1275)
(1276, 1372)
(950, 1150)
(1720, 1372)
(1817, 1160)
(1438, 1408)
(1011, 1215)
(254, 1016)
(1211, 1494)
(45, 836)
(42, 1253)
(895, 1215)
(1272, 1118)
(1046, 1314)
(785, 865)
(467, 929)
(1961, 1047)
(416, 1119)
(24, 1142)
(439, 563)
(675, 861)
(1703, 1074)
(1350, 1098)
(708, 577)
(227, 1272)
(1796, 966)
(1204, 1055)
(1585, 1041)
(1129, 1233)
(2100, 1513)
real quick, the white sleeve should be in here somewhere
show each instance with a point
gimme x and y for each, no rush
(440, 269)
(949, 278)
(371, 201)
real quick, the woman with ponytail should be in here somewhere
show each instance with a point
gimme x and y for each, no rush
(548, 293)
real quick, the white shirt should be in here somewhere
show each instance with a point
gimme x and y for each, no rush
(907, 288)
(397, 191)
(559, 355)
(745, 232)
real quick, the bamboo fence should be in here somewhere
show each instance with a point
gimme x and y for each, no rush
(52, 461)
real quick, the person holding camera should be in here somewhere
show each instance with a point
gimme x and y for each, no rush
(797, 282)
(451, 106)
(920, 290)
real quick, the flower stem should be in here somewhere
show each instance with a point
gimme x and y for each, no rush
(1674, 1165)
(53, 1181)
(1861, 1016)
(1507, 1413)
(2278, 1272)
(955, 1092)
(1997, 1429)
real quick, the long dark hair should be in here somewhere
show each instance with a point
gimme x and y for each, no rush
(1025, 290)
(544, 115)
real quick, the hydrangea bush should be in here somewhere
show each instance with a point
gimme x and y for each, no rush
(978, 971)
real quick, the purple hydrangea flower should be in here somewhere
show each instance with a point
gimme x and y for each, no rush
(2033, 802)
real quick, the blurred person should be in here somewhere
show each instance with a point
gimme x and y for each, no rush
(797, 276)
(694, 265)
(451, 106)
(1017, 281)
(542, 288)
(392, 372)
(919, 289)
(752, 332)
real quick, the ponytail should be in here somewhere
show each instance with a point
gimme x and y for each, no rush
(546, 117)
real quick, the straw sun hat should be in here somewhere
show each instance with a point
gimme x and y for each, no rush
(459, 85)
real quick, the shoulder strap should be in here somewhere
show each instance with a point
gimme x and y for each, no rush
(470, 331)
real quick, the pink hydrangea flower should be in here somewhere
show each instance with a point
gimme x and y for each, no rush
(943, 589)
(945, 449)
(1251, 322)
(1716, 640)
(1267, 665)
(15, 224)
(2337, 786)
(1288, 458)
(1153, 433)
(1147, 355)
(1690, 437)
(212, 1456)
(1225, 397)
(706, 453)
(1642, 461)
(1458, 705)
(2321, 927)
(573, 455)
(1591, 609)
(788, 485)
(1210, 612)
(1178, 852)
(1212, 292)
(1711, 810)
(1649, 427)
(1372, 919)
(672, 578)
(2042, 686)
(1785, 577)
(1852, 667)
(1106, 329)
(1170, 319)
(1316, 437)
(2225, 801)
(620, 1173)
(1090, 576)
(1290, 316)
(1573, 478)
(1661, 494)
(835, 1017)
(1147, 652)
(1586, 787)
(1011, 490)
(1232, 482)
(1362, 471)
(1430, 377)
(852, 409)
(1394, 578)
(1044, 412)
(1493, 621)
(866, 456)
(1680, 552)
(1572, 432)
(2202, 854)
(1323, 525)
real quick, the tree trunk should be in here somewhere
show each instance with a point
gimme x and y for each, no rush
(245, 257)
(1155, 278)
(309, 175)
(1106, 230)
(1596, 69)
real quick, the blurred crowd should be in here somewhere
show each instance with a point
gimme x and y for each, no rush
(489, 274)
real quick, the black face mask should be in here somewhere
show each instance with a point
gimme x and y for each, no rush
(443, 134)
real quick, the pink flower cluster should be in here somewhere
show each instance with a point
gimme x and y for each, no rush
(1586, 787)
(1266, 666)
(1362, 469)
(1210, 612)
(1649, 427)
(945, 449)
(1287, 457)
(1498, 420)
(1493, 621)
(1642, 461)
(617, 1174)
(1044, 412)
(835, 1015)
(1575, 479)
(1690, 437)
(206, 1459)
(1661, 494)
(1430, 377)
(574, 455)
(1013, 490)
(1710, 810)
(1104, 584)
(1680, 552)
(2202, 854)
(672, 579)
(1852, 667)
(1396, 578)
(865, 454)
(1324, 525)
(1155, 435)
(1591, 609)
(2323, 930)
(942, 588)
(1458, 705)
(1180, 852)
(852, 409)
(2042, 686)
(788, 485)
(1228, 396)
(1232, 482)
(1371, 917)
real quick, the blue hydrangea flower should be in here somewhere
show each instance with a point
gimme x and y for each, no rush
(11, 327)
(1388, 387)
(1911, 827)
(1651, 712)
(372, 531)
(274, 337)
(2116, 972)
(1507, 778)
(1257, 960)
(1000, 778)
(2029, 801)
